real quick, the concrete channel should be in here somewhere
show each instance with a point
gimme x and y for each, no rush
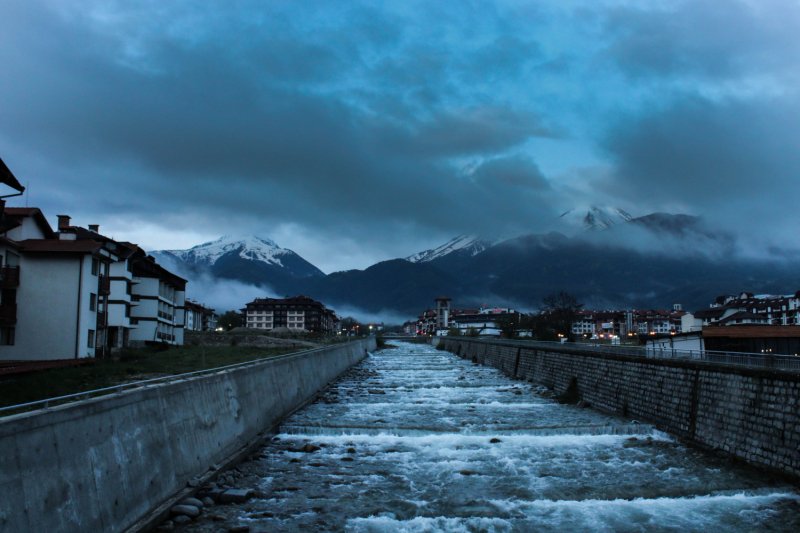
(418, 440)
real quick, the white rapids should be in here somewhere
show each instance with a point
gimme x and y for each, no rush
(417, 440)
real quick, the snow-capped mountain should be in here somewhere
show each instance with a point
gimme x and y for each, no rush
(467, 245)
(597, 218)
(593, 218)
(231, 249)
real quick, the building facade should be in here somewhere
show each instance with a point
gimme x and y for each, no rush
(75, 293)
(298, 313)
(199, 317)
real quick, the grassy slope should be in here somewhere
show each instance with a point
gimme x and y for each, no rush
(133, 365)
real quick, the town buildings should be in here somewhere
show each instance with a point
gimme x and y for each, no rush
(442, 319)
(627, 323)
(297, 313)
(73, 293)
(743, 323)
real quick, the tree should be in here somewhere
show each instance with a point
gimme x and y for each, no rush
(454, 332)
(509, 325)
(473, 332)
(539, 327)
(561, 309)
(230, 320)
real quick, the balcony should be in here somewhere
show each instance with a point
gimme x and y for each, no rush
(9, 277)
(8, 314)
(101, 320)
(165, 316)
(104, 286)
(165, 336)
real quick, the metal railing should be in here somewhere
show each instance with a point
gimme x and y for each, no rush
(9, 276)
(762, 360)
(118, 389)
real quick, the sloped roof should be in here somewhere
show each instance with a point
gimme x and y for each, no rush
(8, 178)
(36, 214)
(58, 246)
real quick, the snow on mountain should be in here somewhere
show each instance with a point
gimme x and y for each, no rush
(248, 247)
(596, 218)
(470, 245)
(579, 220)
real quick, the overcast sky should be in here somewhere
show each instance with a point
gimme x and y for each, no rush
(353, 132)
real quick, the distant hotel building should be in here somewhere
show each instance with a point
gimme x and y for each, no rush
(199, 317)
(299, 313)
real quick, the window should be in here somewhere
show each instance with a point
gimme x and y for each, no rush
(93, 302)
(91, 338)
(130, 265)
(95, 266)
(7, 336)
(127, 311)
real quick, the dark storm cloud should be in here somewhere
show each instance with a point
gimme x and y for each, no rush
(720, 132)
(412, 118)
(242, 112)
(514, 171)
(716, 39)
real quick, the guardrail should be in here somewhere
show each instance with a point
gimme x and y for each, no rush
(762, 360)
(118, 389)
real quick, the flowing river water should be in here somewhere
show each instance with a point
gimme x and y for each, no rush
(414, 439)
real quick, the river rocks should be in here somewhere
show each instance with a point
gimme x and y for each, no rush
(185, 510)
(194, 482)
(236, 495)
(347, 459)
(262, 514)
(495, 441)
(211, 494)
(376, 391)
(229, 480)
(294, 460)
(207, 502)
(193, 501)
(351, 450)
(181, 519)
(166, 526)
(239, 529)
(309, 448)
(467, 473)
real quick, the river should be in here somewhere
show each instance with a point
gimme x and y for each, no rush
(414, 439)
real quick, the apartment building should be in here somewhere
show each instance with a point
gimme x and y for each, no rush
(622, 323)
(75, 293)
(199, 317)
(298, 313)
(55, 304)
(777, 310)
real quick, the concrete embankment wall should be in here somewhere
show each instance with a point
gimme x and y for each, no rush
(750, 413)
(100, 465)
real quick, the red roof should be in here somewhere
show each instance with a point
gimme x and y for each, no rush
(21, 211)
(55, 245)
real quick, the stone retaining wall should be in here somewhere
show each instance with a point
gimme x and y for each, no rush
(750, 413)
(104, 463)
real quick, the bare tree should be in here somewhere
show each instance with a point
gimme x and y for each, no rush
(561, 309)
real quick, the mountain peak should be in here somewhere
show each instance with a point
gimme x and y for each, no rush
(597, 218)
(251, 247)
(470, 245)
